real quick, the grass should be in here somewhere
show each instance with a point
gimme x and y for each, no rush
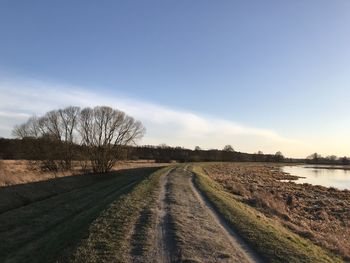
(123, 230)
(40, 231)
(22, 183)
(270, 239)
(15, 196)
(316, 213)
(14, 172)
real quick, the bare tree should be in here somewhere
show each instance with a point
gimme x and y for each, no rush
(36, 128)
(228, 148)
(105, 131)
(31, 128)
(345, 160)
(68, 124)
(102, 131)
(52, 125)
(315, 157)
(278, 157)
(332, 158)
(20, 131)
(163, 146)
(69, 120)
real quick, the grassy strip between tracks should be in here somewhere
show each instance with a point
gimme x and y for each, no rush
(124, 230)
(271, 240)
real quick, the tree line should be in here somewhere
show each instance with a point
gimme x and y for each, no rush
(101, 136)
(23, 149)
(165, 153)
(97, 135)
(43, 150)
(316, 158)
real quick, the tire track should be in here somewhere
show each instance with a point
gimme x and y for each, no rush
(165, 241)
(232, 236)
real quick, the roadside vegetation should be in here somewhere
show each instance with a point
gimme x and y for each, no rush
(15, 172)
(41, 230)
(125, 232)
(268, 237)
(317, 213)
(128, 216)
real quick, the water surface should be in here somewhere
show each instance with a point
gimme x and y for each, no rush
(325, 175)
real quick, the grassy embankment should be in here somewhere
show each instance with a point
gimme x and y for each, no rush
(21, 172)
(42, 230)
(124, 231)
(270, 239)
(317, 213)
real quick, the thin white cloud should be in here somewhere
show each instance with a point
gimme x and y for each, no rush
(14, 115)
(20, 99)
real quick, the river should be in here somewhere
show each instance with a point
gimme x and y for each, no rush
(325, 175)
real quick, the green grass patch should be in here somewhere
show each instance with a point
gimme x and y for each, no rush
(269, 238)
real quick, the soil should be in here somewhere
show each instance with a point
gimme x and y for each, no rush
(165, 241)
(189, 230)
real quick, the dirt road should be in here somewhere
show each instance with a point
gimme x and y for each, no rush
(190, 230)
(165, 250)
(177, 220)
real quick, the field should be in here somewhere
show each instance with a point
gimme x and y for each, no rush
(317, 213)
(13, 172)
(43, 229)
(175, 213)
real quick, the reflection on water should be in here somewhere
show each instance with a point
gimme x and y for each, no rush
(320, 175)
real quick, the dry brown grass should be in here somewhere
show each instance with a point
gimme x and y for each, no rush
(44, 229)
(318, 213)
(266, 235)
(125, 231)
(13, 172)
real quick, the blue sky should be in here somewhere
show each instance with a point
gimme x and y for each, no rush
(280, 67)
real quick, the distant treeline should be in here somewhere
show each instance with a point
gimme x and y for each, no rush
(316, 158)
(167, 154)
(22, 149)
(98, 137)
(16, 149)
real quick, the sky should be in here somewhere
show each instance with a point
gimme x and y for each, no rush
(259, 75)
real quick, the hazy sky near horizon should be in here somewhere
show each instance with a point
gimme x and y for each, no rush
(260, 75)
